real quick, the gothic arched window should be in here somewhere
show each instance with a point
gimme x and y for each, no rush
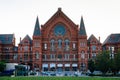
(83, 54)
(67, 42)
(37, 55)
(52, 42)
(59, 43)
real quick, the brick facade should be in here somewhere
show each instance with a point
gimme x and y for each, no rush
(112, 44)
(58, 45)
(94, 46)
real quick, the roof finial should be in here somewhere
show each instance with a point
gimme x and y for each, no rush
(99, 38)
(59, 9)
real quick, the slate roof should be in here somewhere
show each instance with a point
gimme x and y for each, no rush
(113, 38)
(93, 37)
(26, 38)
(82, 30)
(37, 31)
(6, 38)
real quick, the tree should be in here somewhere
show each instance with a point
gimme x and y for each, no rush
(117, 61)
(113, 66)
(2, 66)
(91, 65)
(102, 62)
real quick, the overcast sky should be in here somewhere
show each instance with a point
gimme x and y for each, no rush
(101, 17)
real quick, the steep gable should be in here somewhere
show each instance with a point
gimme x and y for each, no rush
(92, 37)
(58, 14)
(26, 39)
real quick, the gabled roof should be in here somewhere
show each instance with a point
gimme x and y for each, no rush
(92, 37)
(82, 30)
(26, 38)
(113, 38)
(59, 13)
(6, 38)
(37, 31)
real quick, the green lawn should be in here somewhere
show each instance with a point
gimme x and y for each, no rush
(57, 78)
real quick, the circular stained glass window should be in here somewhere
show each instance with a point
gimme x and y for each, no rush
(59, 30)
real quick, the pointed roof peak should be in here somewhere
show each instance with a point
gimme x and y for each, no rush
(57, 14)
(81, 16)
(26, 38)
(82, 30)
(59, 9)
(93, 37)
(37, 31)
(82, 19)
(37, 19)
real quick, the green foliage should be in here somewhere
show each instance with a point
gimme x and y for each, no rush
(116, 63)
(102, 62)
(91, 65)
(2, 66)
(117, 59)
(112, 65)
(57, 78)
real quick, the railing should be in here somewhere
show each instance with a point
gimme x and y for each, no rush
(59, 59)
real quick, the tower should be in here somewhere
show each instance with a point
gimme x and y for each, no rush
(82, 47)
(37, 47)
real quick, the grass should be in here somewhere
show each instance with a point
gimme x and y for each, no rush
(58, 78)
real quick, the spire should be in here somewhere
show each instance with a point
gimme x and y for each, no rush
(37, 28)
(82, 30)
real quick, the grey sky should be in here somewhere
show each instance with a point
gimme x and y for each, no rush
(101, 17)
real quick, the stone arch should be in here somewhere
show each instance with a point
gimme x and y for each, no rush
(51, 31)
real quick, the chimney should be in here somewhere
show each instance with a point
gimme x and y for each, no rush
(99, 38)
(59, 9)
(20, 39)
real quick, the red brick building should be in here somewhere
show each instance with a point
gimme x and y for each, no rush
(94, 46)
(112, 43)
(25, 51)
(7, 47)
(58, 45)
